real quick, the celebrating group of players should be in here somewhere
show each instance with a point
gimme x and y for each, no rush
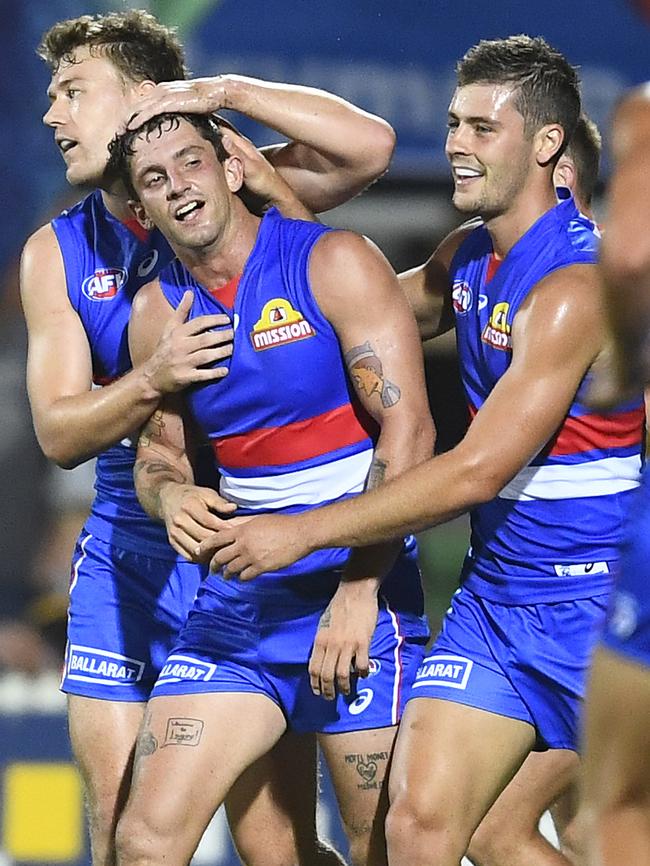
(246, 588)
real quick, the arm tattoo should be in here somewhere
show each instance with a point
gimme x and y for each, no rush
(367, 373)
(377, 473)
(149, 476)
(153, 429)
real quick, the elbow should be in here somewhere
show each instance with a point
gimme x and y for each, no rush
(58, 451)
(379, 149)
(479, 480)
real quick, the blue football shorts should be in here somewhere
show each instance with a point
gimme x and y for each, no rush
(525, 662)
(627, 629)
(242, 639)
(126, 610)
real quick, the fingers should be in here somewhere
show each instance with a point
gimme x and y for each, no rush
(184, 306)
(329, 667)
(208, 324)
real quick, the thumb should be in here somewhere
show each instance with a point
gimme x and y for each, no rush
(184, 306)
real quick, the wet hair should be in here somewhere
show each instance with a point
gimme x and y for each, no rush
(139, 46)
(584, 151)
(546, 86)
(122, 148)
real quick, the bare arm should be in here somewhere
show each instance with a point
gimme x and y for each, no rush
(163, 472)
(625, 250)
(359, 294)
(335, 149)
(428, 290)
(518, 418)
(72, 421)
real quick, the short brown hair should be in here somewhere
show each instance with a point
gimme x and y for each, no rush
(546, 86)
(584, 151)
(139, 46)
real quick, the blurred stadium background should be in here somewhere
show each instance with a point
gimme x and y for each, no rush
(395, 59)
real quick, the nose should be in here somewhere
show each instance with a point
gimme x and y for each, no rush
(177, 185)
(52, 116)
(458, 140)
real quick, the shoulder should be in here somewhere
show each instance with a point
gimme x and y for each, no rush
(150, 301)
(41, 267)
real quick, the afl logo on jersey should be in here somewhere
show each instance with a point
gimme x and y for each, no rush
(278, 324)
(461, 296)
(104, 284)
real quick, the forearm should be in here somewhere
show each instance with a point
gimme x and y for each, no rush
(411, 446)
(335, 149)
(426, 495)
(154, 472)
(75, 428)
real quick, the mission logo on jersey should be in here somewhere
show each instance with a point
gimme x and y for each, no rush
(104, 284)
(497, 331)
(279, 323)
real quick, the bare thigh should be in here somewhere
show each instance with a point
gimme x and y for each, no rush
(359, 763)
(103, 736)
(455, 760)
(191, 749)
(616, 784)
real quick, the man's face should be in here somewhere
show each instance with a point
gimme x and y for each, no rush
(89, 104)
(183, 188)
(489, 154)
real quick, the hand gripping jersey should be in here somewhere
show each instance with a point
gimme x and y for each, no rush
(106, 262)
(284, 424)
(552, 533)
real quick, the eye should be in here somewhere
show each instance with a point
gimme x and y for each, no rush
(452, 124)
(72, 92)
(483, 128)
(153, 180)
(193, 163)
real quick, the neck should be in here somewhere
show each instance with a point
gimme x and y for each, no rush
(226, 257)
(116, 200)
(508, 227)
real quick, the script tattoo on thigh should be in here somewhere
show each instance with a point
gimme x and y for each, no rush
(370, 767)
(183, 732)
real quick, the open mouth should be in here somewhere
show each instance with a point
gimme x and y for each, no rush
(187, 211)
(66, 144)
(464, 175)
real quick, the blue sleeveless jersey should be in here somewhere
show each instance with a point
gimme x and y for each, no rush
(106, 262)
(552, 533)
(284, 424)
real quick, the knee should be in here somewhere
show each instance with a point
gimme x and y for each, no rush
(417, 823)
(492, 845)
(137, 844)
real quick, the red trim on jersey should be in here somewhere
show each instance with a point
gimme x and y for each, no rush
(494, 263)
(104, 380)
(301, 440)
(227, 293)
(597, 432)
(139, 231)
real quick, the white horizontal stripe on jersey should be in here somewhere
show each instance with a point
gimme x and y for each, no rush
(311, 486)
(573, 481)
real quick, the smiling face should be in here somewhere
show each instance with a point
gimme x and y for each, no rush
(89, 104)
(489, 153)
(182, 187)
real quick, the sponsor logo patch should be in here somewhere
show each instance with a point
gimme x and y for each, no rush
(90, 665)
(180, 667)
(104, 284)
(361, 702)
(279, 324)
(461, 296)
(582, 568)
(442, 670)
(148, 263)
(497, 331)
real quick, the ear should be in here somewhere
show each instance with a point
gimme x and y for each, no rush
(548, 140)
(565, 173)
(233, 168)
(138, 211)
(144, 88)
